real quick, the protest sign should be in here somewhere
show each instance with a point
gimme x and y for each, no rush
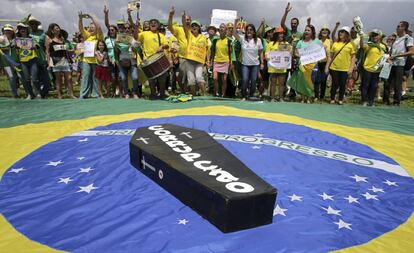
(219, 16)
(134, 5)
(89, 48)
(279, 59)
(311, 54)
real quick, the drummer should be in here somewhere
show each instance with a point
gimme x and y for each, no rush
(153, 42)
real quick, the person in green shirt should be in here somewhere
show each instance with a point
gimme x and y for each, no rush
(26, 49)
(43, 74)
(7, 52)
(292, 34)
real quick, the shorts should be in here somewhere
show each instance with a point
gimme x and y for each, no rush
(62, 67)
(221, 67)
(194, 72)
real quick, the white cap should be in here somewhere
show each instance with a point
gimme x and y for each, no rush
(346, 29)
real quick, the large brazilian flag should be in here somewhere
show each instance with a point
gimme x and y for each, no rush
(344, 176)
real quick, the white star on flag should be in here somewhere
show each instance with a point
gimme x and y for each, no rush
(330, 210)
(80, 158)
(65, 180)
(375, 189)
(256, 147)
(279, 210)
(83, 140)
(343, 224)
(326, 196)
(183, 222)
(17, 171)
(367, 196)
(390, 183)
(87, 188)
(295, 197)
(351, 199)
(359, 179)
(54, 164)
(258, 135)
(85, 170)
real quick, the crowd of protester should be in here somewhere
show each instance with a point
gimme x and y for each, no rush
(226, 61)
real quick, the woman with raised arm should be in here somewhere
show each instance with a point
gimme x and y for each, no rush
(373, 51)
(89, 84)
(57, 57)
(197, 55)
(252, 58)
(308, 39)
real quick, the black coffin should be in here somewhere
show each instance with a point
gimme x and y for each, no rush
(202, 174)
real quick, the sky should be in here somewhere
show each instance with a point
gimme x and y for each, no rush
(384, 14)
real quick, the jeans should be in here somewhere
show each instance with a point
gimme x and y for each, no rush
(44, 80)
(89, 84)
(12, 75)
(30, 71)
(249, 76)
(123, 71)
(369, 86)
(338, 80)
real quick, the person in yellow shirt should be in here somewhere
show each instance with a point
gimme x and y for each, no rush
(374, 50)
(320, 82)
(153, 42)
(341, 63)
(197, 55)
(178, 32)
(221, 58)
(89, 84)
(277, 76)
(28, 59)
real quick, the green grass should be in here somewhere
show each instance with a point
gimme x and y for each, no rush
(353, 99)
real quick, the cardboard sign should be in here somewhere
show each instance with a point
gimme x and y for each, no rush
(219, 16)
(385, 71)
(134, 5)
(89, 48)
(24, 43)
(311, 54)
(279, 59)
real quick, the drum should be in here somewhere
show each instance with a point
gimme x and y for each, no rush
(155, 65)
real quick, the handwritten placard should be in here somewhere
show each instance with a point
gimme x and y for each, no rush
(279, 59)
(89, 48)
(311, 54)
(219, 16)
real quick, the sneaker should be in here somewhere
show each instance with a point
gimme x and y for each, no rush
(136, 96)
(332, 102)
(365, 104)
(117, 91)
(29, 97)
(126, 96)
(340, 102)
